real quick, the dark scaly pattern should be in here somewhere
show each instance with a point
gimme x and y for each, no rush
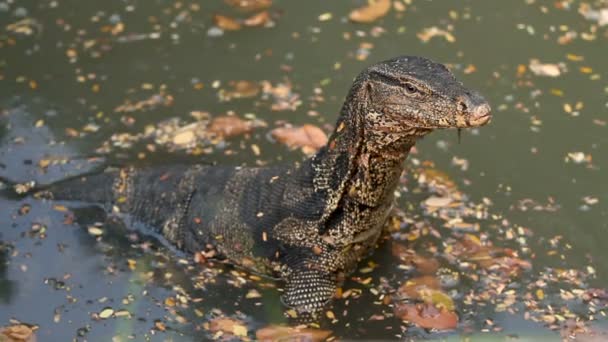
(308, 223)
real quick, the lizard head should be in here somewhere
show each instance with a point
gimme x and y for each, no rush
(414, 95)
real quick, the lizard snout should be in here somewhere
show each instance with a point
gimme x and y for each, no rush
(474, 109)
(480, 115)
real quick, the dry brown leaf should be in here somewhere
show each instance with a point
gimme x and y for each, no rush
(422, 264)
(412, 286)
(600, 15)
(308, 137)
(160, 326)
(184, 138)
(375, 10)
(228, 326)
(17, 333)
(544, 69)
(283, 333)
(160, 99)
(431, 32)
(259, 19)
(229, 126)
(226, 23)
(427, 316)
(239, 90)
(249, 5)
(435, 201)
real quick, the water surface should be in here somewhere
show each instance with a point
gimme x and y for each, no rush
(68, 65)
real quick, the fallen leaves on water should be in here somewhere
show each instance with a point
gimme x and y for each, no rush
(422, 264)
(229, 126)
(374, 10)
(260, 19)
(486, 256)
(282, 95)
(249, 5)
(600, 16)
(106, 313)
(578, 157)
(435, 201)
(544, 69)
(156, 100)
(226, 23)
(437, 181)
(253, 293)
(160, 325)
(283, 333)
(432, 32)
(27, 27)
(427, 289)
(95, 231)
(308, 137)
(17, 333)
(229, 326)
(23, 188)
(177, 136)
(239, 90)
(411, 287)
(427, 316)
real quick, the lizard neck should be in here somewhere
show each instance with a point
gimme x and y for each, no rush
(378, 169)
(334, 165)
(358, 157)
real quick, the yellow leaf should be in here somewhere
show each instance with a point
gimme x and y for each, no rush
(239, 330)
(540, 294)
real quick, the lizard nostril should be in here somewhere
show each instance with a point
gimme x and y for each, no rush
(462, 106)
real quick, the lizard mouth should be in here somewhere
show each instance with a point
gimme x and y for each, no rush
(480, 115)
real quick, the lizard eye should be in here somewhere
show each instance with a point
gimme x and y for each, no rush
(410, 88)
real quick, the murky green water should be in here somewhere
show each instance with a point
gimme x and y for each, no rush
(66, 67)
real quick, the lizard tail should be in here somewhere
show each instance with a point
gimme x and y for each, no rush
(95, 188)
(92, 188)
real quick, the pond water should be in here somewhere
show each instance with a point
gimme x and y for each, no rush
(75, 74)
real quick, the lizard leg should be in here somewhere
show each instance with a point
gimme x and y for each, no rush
(308, 290)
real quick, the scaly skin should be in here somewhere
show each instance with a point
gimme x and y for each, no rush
(308, 223)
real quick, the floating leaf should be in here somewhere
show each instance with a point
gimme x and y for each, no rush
(544, 69)
(412, 286)
(375, 10)
(239, 90)
(229, 126)
(226, 23)
(253, 294)
(283, 333)
(106, 313)
(427, 316)
(260, 19)
(17, 333)
(160, 99)
(184, 138)
(95, 231)
(310, 138)
(438, 298)
(432, 32)
(600, 16)
(160, 326)
(249, 5)
(228, 326)
(422, 264)
(435, 201)
(578, 157)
